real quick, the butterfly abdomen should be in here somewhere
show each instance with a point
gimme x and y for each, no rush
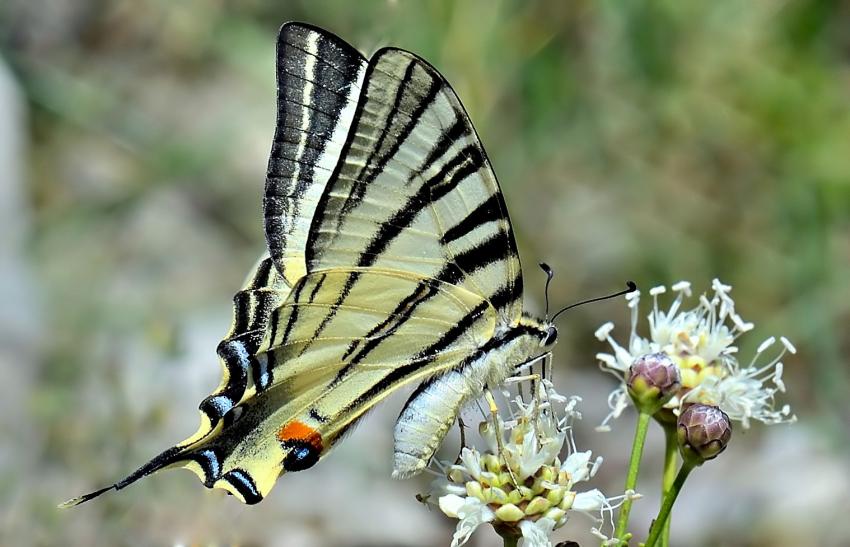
(433, 407)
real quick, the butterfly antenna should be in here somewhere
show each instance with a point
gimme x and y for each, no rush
(630, 287)
(549, 275)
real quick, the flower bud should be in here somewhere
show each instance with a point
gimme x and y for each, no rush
(509, 513)
(537, 505)
(703, 433)
(653, 380)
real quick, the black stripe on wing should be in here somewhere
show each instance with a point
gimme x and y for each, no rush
(423, 357)
(317, 75)
(242, 481)
(438, 170)
(487, 211)
(397, 131)
(425, 290)
(252, 308)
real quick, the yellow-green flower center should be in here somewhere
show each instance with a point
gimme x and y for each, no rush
(544, 494)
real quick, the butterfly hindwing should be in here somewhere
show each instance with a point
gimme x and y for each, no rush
(264, 290)
(323, 383)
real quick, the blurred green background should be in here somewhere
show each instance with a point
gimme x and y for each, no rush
(655, 141)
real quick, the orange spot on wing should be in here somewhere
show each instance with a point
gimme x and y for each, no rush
(299, 431)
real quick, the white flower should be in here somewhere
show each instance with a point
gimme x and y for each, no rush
(743, 393)
(536, 533)
(471, 513)
(520, 483)
(701, 341)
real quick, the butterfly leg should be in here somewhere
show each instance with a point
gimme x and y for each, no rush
(524, 378)
(533, 378)
(462, 427)
(531, 375)
(538, 398)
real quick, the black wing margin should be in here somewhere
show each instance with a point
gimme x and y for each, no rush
(318, 80)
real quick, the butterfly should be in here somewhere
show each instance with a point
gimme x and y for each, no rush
(391, 262)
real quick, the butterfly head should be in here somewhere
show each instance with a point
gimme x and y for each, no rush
(549, 337)
(543, 332)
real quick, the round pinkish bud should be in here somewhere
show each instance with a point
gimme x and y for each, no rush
(703, 432)
(653, 380)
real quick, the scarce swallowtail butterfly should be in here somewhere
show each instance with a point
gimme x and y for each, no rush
(391, 262)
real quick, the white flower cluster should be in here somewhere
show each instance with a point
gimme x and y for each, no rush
(701, 342)
(519, 483)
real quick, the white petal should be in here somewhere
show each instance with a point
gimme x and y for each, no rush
(472, 514)
(450, 504)
(654, 291)
(536, 534)
(603, 331)
(470, 460)
(591, 501)
(608, 359)
(740, 323)
(576, 465)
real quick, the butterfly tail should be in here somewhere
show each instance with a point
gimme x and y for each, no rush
(167, 458)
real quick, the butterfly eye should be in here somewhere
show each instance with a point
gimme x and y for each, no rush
(551, 336)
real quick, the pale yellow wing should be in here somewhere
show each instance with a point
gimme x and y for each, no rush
(414, 190)
(393, 329)
(319, 78)
(263, 291)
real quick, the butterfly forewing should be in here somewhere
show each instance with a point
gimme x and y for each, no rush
(414, 190)
(319, 78)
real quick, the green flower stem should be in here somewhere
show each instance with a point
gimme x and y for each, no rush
(631, 478)
(511, 541)
(663, 515)
(671, 453)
